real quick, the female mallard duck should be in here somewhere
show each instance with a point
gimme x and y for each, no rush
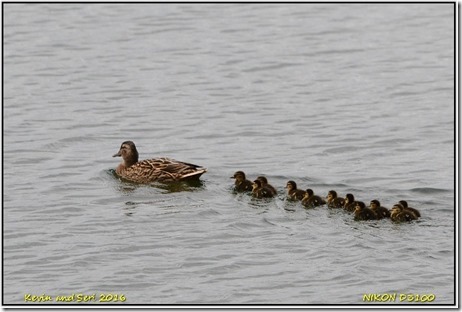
(241, 184)
(259, 191)
(151, 170)
(333, 201)
(310, 200)
(293, 193)
(265, 184)
(349, 203)
(400, 214)
(380, 211)
(363, 213)
(413, 210)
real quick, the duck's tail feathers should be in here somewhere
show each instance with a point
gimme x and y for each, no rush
(194, 175)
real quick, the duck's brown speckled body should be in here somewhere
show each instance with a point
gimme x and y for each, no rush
(153, 170)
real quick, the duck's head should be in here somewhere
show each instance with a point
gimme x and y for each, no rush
(374, 204)
(359, 206)
(397, 208)
(256, 185)
(403, 203)
(309, 193)
(128, 152)
(331, 195)
(291, 185)
(239, 176)
(349, 198)
(263, 180)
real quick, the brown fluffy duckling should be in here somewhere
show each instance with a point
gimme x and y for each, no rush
(349, 203)
(259, 191)
(265, 184)
(333, 201)
(363, 213)
(293, 193)
(241, 184)
(400, 214)
(310, 200)
(415, 211)
(156, 169)
(380, 211)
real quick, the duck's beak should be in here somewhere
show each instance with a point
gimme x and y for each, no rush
(117, 155)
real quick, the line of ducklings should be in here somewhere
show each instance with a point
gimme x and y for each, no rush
(260, 188)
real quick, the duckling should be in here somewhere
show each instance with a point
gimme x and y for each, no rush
(265, 184)
(241, 184)
(292, 192)
(349, 203)
(259, 191)
(151, 170)
(333, 201)
(400, 214)
(380, 211)
(311, 200)
(415, 211)
(363, 213)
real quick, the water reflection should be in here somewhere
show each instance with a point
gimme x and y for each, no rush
(130, 208)
(183, 186)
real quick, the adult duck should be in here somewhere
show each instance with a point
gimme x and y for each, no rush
(153, 170)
